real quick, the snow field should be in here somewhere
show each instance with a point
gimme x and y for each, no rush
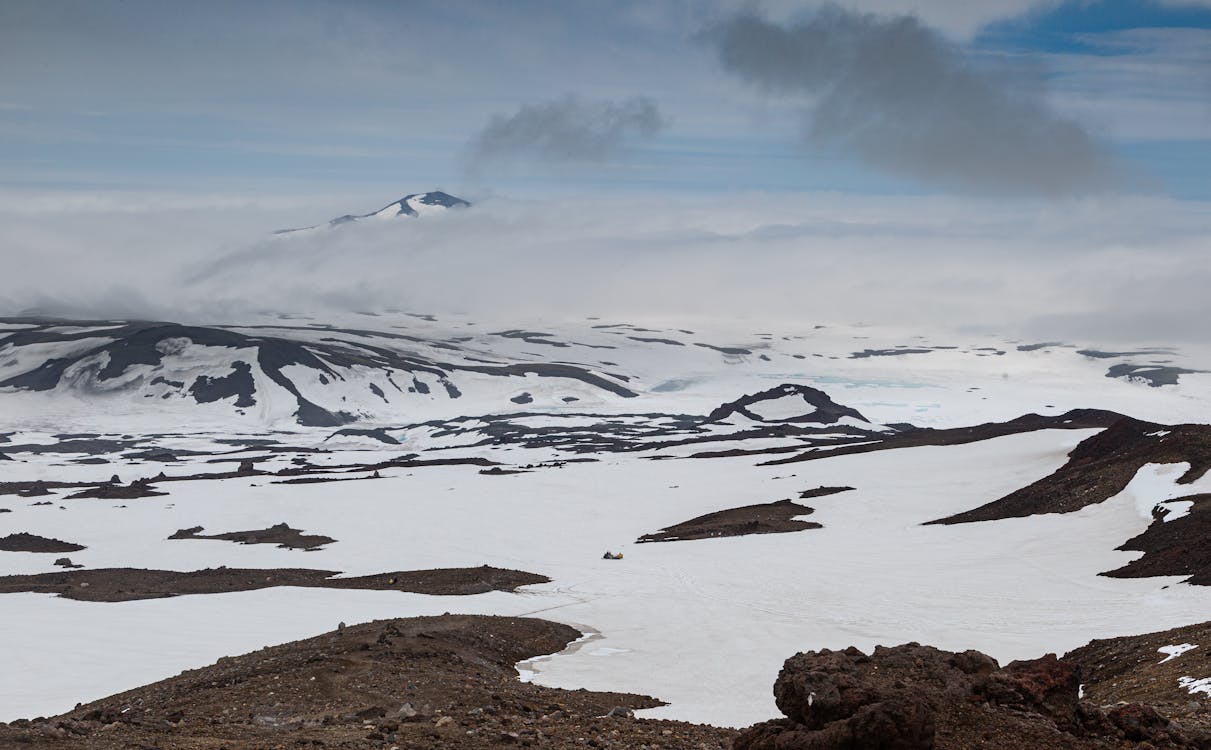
(703, 624)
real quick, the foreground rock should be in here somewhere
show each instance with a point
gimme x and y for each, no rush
(428, 682)
(127, 584)
(916, 697)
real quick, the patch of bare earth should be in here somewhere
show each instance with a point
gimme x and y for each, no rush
(23, 542)
(280, 534)
(765, 518)
(126, 584)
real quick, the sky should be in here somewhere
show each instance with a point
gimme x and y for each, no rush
(1023, 164)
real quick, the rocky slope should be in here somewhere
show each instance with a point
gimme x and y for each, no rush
(428, 682)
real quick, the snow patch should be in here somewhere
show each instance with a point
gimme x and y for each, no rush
(1195, 685)
(528, 671)
(1175, 651)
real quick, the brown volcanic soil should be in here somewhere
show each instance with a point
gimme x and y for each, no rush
(427, 682)
(126, 584)
(1100, 467)
(280, 534)
(916, 697)
(766, 518)
(1130, 669)
(23, 542)
(1181, 547)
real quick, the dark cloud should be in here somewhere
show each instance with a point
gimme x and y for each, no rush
(905, 100)
(566, 130)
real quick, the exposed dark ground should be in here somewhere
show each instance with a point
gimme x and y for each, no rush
(23, 542)
(765, 518)
(127, 584)
(280, 534)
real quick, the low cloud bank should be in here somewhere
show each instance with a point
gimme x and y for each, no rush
(1101, 269)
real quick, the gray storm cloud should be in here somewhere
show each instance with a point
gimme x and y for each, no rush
(566, 130)
(904, 100)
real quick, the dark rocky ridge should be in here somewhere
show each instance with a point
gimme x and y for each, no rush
(909, 436)
(818, 407)
(142, 343)
(1100, 467)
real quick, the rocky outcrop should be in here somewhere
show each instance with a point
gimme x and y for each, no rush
(915, 697)
(803, 404)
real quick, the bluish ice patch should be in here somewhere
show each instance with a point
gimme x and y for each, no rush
(671, 386)
(861, 383)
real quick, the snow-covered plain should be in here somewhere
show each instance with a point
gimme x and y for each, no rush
(705, 624)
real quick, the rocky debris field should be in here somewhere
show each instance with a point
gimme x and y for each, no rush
(427, 682)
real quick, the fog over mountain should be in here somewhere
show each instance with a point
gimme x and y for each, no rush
(1102, 268)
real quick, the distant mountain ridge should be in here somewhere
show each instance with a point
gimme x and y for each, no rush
(415, 204)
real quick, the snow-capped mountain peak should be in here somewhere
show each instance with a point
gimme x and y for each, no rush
(419, 204)
(414, 204)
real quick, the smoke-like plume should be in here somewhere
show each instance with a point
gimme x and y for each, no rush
(905, 100)
(566, 130)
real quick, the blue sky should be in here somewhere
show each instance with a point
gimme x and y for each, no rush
(385, 97)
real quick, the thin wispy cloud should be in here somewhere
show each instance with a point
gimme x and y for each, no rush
(567, 130)
(903, 99)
